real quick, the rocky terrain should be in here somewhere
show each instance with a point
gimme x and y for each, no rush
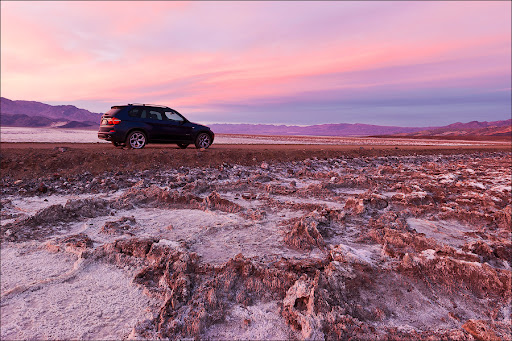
(332, 246)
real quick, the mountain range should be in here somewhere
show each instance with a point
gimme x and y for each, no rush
(473, 128)
(37, 114)
(340, 129)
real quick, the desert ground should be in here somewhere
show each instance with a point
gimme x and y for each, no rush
(256, 241)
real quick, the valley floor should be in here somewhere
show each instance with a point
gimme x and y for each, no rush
(255, 242)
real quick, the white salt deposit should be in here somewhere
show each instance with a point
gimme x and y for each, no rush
(448, 232)
(257, 322)
(502, 188)
(100, 303)
(48, 135)
(429, 254)
(478, 185)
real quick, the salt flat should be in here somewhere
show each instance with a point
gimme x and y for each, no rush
(404, 246)
(53, 135)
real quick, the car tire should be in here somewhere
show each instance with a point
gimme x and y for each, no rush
(136, 139)
(183, 145)
(203, 140)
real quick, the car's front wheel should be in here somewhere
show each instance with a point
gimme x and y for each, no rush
(203, 140)
(183, 145)
(136, 140)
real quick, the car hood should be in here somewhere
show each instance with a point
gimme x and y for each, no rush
(197, 126)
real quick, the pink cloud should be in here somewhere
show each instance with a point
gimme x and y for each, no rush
(197, 54)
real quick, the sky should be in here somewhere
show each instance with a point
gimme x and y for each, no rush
(405, 63)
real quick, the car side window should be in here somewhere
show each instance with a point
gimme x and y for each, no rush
(173, 116)
(135, 112)
(154, 115)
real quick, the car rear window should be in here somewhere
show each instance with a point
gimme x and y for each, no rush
(112, 112)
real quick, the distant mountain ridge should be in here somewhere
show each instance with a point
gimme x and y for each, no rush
(21, 120)
(36, 114)
(340, 129)
(60, 112)
(473, 128)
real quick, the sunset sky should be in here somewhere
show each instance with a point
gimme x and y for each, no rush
(402, 63)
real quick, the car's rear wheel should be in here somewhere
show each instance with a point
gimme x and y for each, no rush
(183, 145)
(203, 140)
(136, 139)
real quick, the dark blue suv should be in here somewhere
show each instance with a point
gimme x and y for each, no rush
(135, 125)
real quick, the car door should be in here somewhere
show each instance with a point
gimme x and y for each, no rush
(178, 129)
(137, 119)
(157, 126)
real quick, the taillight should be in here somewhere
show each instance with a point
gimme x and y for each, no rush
(114, 120)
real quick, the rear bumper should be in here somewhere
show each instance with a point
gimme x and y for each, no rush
(108, 136)
(105, 136)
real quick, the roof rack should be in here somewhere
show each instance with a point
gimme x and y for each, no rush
(156, 105)
(149, 105)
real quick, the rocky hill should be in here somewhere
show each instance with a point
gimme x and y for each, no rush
(474, 128)
(37, 114)
(22, 120)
